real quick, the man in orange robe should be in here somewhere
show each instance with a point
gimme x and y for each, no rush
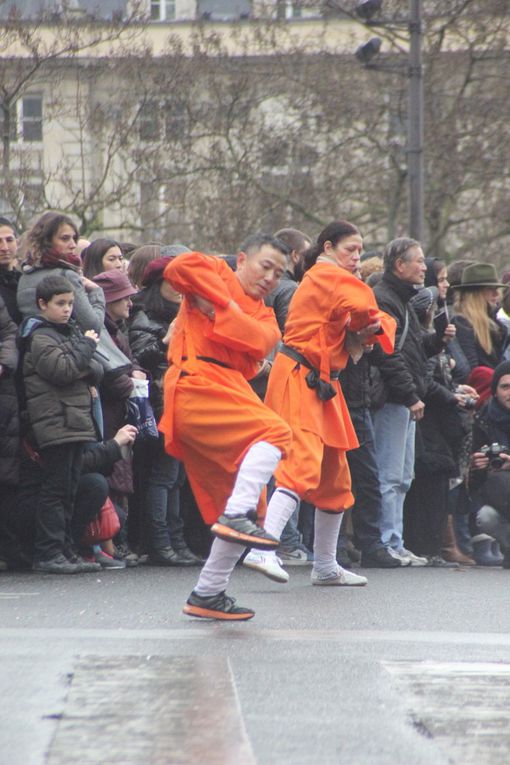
(330, 310)
(229, 441)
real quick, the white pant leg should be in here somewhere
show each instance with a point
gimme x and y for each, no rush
(254, 472)
(218, 567)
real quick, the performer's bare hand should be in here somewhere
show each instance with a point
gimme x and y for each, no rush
(368, 332)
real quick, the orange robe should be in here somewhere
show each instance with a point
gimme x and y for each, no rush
(329, 301)
(211, 415)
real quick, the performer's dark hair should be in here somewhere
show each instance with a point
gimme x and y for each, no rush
(334, 232)
(254, 242)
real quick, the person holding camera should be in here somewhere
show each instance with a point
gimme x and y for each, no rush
(489, 477)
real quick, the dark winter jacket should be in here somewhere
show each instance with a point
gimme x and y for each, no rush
(405, 372)
(9, 422)
(354, 380)
(116, 388)
(58, 371)
(147, 328)
(8, 291)
(279, 299)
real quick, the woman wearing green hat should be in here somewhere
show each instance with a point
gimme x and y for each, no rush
(479, 333)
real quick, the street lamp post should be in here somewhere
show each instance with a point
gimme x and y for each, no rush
(415, 123)
(367, 9)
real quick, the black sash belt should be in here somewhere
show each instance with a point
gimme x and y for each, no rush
(324, 390)
(206, 358)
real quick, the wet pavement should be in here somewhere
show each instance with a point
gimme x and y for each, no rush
(414, 668)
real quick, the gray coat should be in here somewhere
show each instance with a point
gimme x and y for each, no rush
(88, 309)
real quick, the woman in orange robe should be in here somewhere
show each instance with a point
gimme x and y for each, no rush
(331, 312)
(228, 440)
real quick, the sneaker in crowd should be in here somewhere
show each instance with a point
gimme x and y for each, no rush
(436, 561)
(415, 561)
(108, 561)
(166, 556)
(295, 556)
(130, 558)
(86, 565)
(220, 607)
(403, 562)
(340, 578)
(269, 565)
(380, 558)
(485, 552)
(57, 565)
(188, 558)
(243, 530)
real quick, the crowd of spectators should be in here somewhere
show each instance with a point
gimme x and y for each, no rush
(85, 485)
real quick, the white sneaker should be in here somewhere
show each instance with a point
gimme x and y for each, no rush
(342, 578)
(404, 561)
(414, 560)
(269, 565)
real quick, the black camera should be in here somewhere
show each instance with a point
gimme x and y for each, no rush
(469, 402)
(494, 452)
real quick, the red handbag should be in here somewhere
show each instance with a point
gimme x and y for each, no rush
(104, 527)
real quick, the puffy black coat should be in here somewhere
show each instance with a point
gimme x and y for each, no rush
(405, 372)
(279, 299)
(147, 328)
(58, 370)
(9, 422)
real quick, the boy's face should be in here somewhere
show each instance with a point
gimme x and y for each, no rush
(59, 308)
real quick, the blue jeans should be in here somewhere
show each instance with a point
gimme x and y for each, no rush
(165, 525)
(394, 448)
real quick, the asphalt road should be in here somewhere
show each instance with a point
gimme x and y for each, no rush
(104, 669)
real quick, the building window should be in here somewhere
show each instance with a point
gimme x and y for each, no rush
(162, 10)
(25, 120)
(161, 120)
(149, 122)
(31, 119)
(293, 9)
(13, 123)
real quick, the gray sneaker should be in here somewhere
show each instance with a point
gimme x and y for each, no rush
(57, 565)
(243, 530)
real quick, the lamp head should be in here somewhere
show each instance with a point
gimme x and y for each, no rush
(366, 9)
(365, 53)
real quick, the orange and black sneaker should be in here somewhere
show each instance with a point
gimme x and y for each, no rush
(243, 530)
(216, 607)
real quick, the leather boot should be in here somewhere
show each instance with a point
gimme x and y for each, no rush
(450, 550)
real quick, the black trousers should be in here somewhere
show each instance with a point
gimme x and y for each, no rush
(365, 484)
(426, 513)
(61, 468)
